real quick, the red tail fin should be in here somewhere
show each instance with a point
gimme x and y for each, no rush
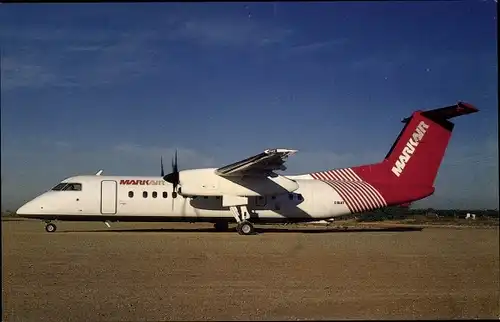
(408, 171)
(415, 157)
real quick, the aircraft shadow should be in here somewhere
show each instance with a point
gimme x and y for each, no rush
(258, 230)
(13, 219)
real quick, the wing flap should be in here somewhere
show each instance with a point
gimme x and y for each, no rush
(262, 164)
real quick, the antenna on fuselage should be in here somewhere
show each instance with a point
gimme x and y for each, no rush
(98, 173)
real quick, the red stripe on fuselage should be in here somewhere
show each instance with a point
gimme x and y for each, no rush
(359, 195)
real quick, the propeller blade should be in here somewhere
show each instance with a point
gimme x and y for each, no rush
(175, 169)
(172, 177)
(161, 163)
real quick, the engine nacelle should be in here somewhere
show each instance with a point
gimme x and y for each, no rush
(205, 182)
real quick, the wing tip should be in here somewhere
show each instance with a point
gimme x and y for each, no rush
(288, 151)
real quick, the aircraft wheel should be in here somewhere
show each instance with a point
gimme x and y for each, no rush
(221, 226)
(50, 228)
(245, 228)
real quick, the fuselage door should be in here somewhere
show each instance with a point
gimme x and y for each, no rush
(108, 197)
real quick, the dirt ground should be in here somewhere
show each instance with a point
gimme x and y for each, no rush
(138, 272)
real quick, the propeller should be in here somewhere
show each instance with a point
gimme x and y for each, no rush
(173, 178)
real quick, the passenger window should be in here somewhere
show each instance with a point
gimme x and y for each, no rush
(145, 194)
(290, 196)
(299, 196)
(155, 194)
(130, 194)
(174, 194)
(165, 194)
(73, 187)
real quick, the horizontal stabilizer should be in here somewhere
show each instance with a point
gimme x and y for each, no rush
(448, 112)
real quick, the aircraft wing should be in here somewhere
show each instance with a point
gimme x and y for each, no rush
(262, 164)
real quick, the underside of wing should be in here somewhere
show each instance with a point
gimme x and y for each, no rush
(262, 164)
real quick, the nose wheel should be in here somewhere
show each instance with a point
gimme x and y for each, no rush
(50, 228)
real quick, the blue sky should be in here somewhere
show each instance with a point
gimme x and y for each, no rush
(114, 86)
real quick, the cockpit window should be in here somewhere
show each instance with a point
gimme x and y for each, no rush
(73, 187)
(68, 186)
(59, 187)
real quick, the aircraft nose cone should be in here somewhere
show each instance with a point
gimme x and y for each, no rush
(22, 210)
(26, 209)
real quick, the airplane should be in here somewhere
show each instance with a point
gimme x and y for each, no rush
(251, 191)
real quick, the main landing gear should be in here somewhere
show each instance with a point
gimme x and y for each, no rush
(244, 227)
(50, 227)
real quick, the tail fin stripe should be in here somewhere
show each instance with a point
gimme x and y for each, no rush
(355, 201)
(348, 175)
(341, 175)
(369, 186)
(359, 196)
(357, 205)
(362, 195)
(375, 193)
(358, 199)
(354, 174)
(329, 175)
(334, 174)
(323, 176)
(346, 195)
(342, 195)
(365, 195)
(316, 175)
(369, 195)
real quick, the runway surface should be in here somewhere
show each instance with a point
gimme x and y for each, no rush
(154, 272)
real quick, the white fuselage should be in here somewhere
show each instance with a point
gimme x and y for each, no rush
(150, 199)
